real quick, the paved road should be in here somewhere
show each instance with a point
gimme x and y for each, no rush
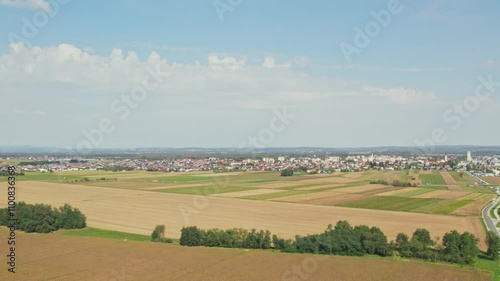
(490, 223)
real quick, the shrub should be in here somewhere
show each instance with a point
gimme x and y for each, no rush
(158, 235)
(287, 172)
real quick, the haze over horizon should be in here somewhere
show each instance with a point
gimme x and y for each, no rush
(247, 77)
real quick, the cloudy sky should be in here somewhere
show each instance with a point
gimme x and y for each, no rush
(227, 73)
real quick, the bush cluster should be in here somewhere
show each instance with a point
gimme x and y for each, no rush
(43, 218)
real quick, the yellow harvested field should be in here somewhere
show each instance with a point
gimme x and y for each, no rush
(137, 211)
(55, 257)
(444, 194)
(247, 193)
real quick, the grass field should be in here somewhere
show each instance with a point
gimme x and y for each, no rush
(108, 234)
(433, 179)
(56, 257)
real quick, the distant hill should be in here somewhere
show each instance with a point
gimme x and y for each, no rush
(271, 151)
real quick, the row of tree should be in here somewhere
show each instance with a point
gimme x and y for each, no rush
(231, 238)
(343, 239)
(43, 218)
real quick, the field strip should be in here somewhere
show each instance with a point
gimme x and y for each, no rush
(247, 193)
(363, 188)
(319, 187)
(171, 186)
(139, 212)
(312, 196)
(444, 194)
(448, 179)
(398, 191)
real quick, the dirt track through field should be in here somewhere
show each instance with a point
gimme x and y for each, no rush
(54, 257)
(139, 212)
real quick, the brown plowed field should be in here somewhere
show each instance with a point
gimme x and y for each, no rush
(137, 211)
(450, 181)
(54, 257)
(492, 180)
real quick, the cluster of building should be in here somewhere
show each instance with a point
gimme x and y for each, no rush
(485, 165)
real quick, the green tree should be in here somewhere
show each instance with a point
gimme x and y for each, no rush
(287, 172)
(421, 243)
(451, 244)
(191, 236)
(403, 245)
(158, 235)
(468, 247)
(493, 242)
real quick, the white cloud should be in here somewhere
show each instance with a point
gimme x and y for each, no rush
(401, 95)
(270, 62)
(27, 4)
(68, 69)
(225, 62)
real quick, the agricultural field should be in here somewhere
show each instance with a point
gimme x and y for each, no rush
(83, 258)
(139, 211)
(136, 201)
(492, 180)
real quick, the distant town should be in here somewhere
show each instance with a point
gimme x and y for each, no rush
(478, 166)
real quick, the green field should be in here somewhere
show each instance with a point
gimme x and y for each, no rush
(462, 180)
(415, 192)
(101, 233)
(434, 179)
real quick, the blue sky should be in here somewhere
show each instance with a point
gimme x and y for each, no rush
(229, 71)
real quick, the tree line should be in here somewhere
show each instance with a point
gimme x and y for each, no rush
(43, 218)
(346, 240)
